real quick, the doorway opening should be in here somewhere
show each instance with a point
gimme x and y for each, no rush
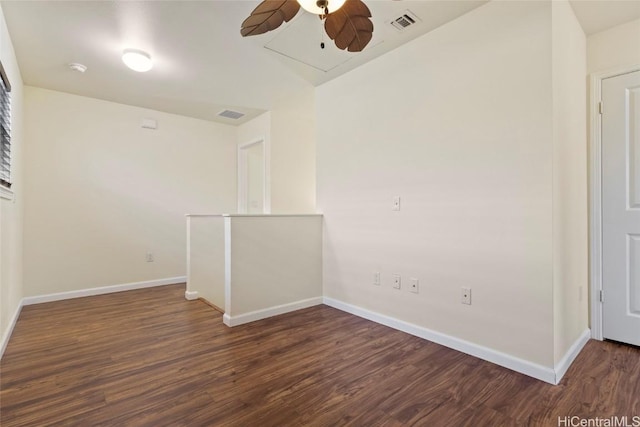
(253, 188)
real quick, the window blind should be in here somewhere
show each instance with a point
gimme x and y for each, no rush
(5, 130)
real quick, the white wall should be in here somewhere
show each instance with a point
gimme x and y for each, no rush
(614, 48)
(459, 124)
(11, 211)
(570, 243)
(100, 191)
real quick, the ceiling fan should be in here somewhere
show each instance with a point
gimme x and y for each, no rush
(346, 22)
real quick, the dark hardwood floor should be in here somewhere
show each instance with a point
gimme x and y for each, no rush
(151, 358)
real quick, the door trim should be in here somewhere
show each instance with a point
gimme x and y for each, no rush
(595, 193)
(266, 179)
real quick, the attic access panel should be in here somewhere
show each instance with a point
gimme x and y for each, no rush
(300, 41)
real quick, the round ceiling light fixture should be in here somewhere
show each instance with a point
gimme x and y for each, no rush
(137, 60)
(76, 66)
(318, 6)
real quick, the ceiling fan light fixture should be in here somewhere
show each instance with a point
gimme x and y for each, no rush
(137, 60)
(351, 28)
(317, 6)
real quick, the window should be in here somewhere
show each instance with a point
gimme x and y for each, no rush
(5, 131)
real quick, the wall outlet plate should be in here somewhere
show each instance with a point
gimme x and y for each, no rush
(396, 281)
(376, 278)
(413, 285)
(466, 296)
(396, 203)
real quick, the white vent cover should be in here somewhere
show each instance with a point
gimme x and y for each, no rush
(405, 20)
(230, 114)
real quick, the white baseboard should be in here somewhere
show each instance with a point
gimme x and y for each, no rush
(563, 365)
(190, 295)
(9, 330)
(525, 367)
(269, 312)
(102, 290)
(552, 376)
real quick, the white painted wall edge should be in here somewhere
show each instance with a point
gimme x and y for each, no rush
(12, 324)
(563, 365)
(525, 367)
(102, 290)
(270, 312)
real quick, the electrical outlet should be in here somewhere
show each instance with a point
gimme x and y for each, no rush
(149, 257)
(396, 203)
(396, 281)
(376, 278)
(466, 296)
(413, 287)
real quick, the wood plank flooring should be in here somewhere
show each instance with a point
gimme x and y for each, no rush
(151, 358)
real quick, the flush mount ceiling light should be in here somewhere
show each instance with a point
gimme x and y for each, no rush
(137, 60)
(76, 66)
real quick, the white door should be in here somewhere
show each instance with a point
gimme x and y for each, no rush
(251, 178)
(621, 208)
(255, 179)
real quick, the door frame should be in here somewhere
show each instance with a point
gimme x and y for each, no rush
(242, 175)
(595, 193)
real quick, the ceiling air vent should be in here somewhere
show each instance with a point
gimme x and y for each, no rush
(405, 20)
(230, 114)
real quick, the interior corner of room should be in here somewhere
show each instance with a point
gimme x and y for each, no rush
(462, 187)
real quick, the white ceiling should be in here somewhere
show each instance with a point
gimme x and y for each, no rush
(599, 15)
(201, 63)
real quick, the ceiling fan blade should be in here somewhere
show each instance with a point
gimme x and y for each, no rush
(269, 15)
(350, 27)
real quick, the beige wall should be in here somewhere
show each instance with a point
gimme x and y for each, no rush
(101, 191)
(11, 211)
(293, 149)
(570, 245)
(464, 136)
(614, 48)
